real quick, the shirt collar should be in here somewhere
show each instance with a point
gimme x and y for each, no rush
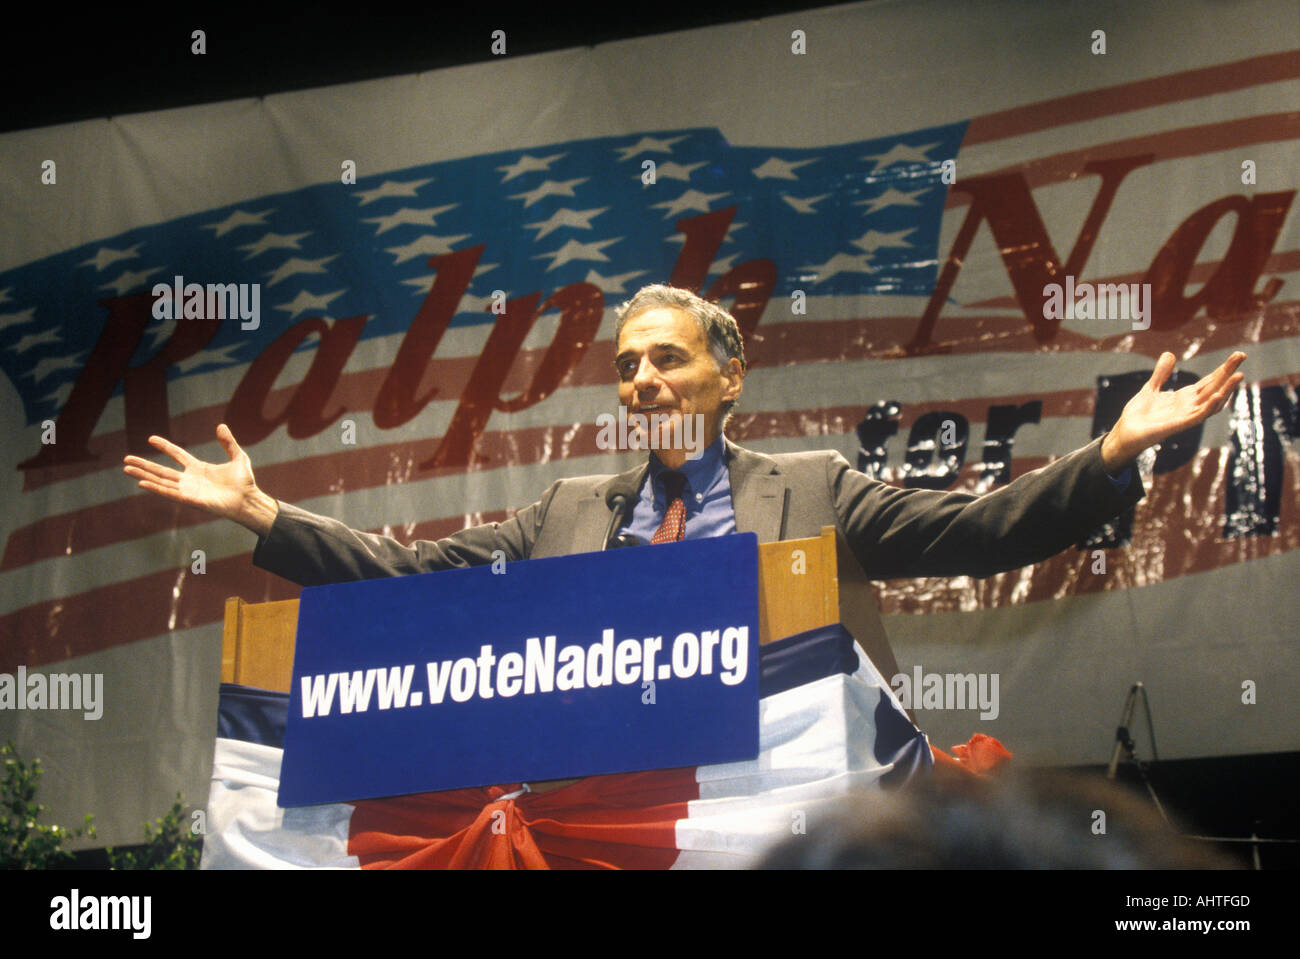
(701, 473)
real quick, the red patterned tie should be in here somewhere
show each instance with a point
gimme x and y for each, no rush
(673, 528)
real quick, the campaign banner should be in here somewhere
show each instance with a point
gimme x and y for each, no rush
(608, 662)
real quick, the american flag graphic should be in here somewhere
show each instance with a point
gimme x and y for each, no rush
(434, 346)
(852, 220)
(582, 213)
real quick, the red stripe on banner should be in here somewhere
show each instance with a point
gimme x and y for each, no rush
(106, 524)
(886, 337)
(123, 613)
(346, 471)
(133, 517)
(964, 335)
(1139, 95)
(1286, 261)
(774, 344)
(623, 821)
(116, 615)
(352, 391)
(1167, 145)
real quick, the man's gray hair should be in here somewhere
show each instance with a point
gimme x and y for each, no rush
(719, 327)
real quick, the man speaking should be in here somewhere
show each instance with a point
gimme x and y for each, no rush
(681, 366)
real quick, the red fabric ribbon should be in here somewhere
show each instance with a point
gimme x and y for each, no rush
(623, 821)
(980, 756)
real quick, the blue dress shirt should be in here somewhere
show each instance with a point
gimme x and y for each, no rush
(707, 496)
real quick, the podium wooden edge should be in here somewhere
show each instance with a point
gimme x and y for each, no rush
(257, 643)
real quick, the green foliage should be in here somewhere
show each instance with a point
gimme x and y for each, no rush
(169, 844)
(24, 843)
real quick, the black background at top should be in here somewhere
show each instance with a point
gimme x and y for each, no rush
(61, 64)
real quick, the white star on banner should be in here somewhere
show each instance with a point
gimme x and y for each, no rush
(53, 364)
(427, 245)
(690, 200)
(409, 217)
(611, 284)
(295, 265)
(549, 188)
(36, 339)
(308, 301)
(775, 168)
(668, 170)
(390, 188)
(17, 319)
(237, 219)
(648, 145)
(804, 206)
(107, 256)
(130, 280)
(274, 241)
(578, 219)
(902, 153)
(528, 164)
(573, 250)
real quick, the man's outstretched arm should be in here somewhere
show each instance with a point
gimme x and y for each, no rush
(313, 550)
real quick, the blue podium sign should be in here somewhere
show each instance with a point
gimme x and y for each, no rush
(640, 658)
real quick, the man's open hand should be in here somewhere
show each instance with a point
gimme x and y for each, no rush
(224, 489)
(1153, 415)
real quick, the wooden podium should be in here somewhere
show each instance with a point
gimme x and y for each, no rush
(802, 584)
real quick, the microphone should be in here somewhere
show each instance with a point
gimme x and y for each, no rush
(1122, 739)
(618, 498)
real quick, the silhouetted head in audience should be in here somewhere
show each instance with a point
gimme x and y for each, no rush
(1034, 820)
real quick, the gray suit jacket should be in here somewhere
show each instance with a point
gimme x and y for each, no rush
(893, 532)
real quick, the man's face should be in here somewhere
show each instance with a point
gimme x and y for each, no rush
(665, 367)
